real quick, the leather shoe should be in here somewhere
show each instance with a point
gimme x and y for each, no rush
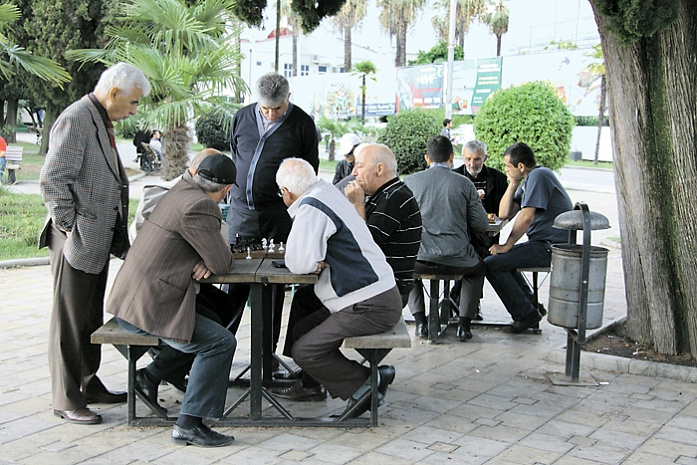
(530, 320)
(200, 435)
(81, 416)
(106, 397)
(282, 373)
(299, 393)
(463, 334)
(147, 391)
(421, 330)
(356, 408)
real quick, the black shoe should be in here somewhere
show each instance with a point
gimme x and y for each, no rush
(106, 397)
(282, 373)
(299, 393)
(201, 436)
(541, 308)
(463, 334)
(356, 408)
(147, 391)
(421, 330)
(530, 320)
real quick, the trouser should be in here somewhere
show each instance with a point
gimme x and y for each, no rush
(510, 285)
(78, 311)
(213, 348)
(318, 352)
(470, 291)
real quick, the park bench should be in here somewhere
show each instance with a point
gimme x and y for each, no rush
(13, 156)
(132, 346)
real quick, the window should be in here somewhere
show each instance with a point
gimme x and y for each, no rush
(322, 69)
(258, 63)
(288, 70)
(304, 70)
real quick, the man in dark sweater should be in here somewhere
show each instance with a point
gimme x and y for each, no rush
(262, 135)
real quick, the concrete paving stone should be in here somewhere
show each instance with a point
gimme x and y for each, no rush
(58, 446)
(16, 449)
(251, 455)
(429, 435)
(619, 438)
(670, 449)
(546, 442)
(634, 427)
(475, 446)
(639, 458)
(487, 421)
(570, 460)
(578, 414)
(436, 404)
(415, 415)
(671, 407)
(439, 458)
(451, 422)
(671, 433)
(500, 432)
(135, 451)
(687, 422)
(372, 458)
(690, 409)
(523, 454)
(492, 402)
(183, 456)
(289, 441)
(439, 446)
(335, 453)
(581, 441)
(601, 453)
(296, 455)
(687, 461)
(565, 429)
(405, 449)
(521, 420)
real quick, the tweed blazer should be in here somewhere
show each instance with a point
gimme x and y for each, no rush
(81, 186)
(154, 289)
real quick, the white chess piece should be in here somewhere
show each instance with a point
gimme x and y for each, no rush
(271, 246)
(281, 248)
(263, 243)
(249, 254)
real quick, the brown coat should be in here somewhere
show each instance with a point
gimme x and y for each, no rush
(154, 290)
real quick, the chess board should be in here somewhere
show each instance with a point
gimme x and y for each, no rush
(257, 249)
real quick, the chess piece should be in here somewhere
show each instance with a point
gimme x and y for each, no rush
(249, 254)
(281, 249)
(263, 244)
(271, 246)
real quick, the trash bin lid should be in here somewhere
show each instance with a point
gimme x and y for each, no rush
(573, 220)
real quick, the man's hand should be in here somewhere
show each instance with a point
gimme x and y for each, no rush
(497, 249)
(354, 193)
(320, 266)
(200, 271)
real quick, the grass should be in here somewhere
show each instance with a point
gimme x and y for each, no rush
(607, 165)
(22, 217)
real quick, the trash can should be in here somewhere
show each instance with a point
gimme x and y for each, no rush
(565, 286)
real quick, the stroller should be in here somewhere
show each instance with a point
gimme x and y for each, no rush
(149, 161)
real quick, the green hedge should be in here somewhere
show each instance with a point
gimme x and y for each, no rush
(407, 134)
(212, 133)
(530, 113)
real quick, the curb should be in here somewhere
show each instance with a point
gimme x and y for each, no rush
(19, 262)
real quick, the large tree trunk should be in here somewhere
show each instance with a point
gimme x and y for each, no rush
(11, 118)
(652, 101)
(601, 116)
(401, 45)
(347, 49)
(295, 50)
(176, 145)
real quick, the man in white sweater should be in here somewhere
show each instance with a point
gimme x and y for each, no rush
(356, 293)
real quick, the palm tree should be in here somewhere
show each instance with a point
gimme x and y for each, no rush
(364, 69)
(190, 57)
(597, 68)
(466, 11)
(350, 14)
(293, 20)
(498, 23)
(396, 17)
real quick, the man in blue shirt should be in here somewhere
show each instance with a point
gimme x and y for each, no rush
(537, 194)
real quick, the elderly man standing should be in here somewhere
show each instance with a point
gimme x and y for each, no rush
(356, 286)
(261, 136)
(155, 292)
(450, 206)
(537, 194)
(85, 189)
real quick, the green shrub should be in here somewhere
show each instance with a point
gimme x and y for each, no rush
(127, 128)
(407, 134)
(212, 132)
(590, 121)
(530, 113)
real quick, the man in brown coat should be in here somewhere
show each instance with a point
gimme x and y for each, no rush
(155, 291)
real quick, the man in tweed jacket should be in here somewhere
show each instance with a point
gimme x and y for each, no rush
(85, 189)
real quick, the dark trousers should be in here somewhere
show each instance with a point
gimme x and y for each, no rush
(78, 311)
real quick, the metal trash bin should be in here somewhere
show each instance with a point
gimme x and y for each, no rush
(565, 286)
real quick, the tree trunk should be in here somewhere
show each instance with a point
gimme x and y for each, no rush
(652, 101)
(601, 116)
(11, 118)
(295, 51)
(347, 49)
(401, 45)
(498, 44)
(50, 116)
(363, 101)
(278, 33)
(176, 144)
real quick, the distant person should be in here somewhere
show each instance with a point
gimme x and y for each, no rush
(142, 136)
(447, 128)
(3, 160)
(344, 167)
(261, 136)
(85, 189)
(155, 293)
(156, 143)
(450, 208)
(537, 196)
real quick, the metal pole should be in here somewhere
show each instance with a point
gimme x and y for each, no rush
(451, 58)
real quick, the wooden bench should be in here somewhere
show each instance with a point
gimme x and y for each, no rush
(373, 349)
(13, 156)
(132, 347)
(535, 284)
(438, 322)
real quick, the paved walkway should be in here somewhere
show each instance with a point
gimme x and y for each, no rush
(494, 399)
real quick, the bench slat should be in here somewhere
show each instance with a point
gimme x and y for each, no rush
(397, 337)
(14, 153)
(112, 333)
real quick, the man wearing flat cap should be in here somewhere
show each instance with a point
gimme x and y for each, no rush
(155, 291)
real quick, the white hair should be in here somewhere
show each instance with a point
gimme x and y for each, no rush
(124, 77)
(296, 175)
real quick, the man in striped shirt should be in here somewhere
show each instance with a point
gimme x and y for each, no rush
(389, 208)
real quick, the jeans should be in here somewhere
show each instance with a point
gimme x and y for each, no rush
(509, 284)
(3, 162)
(214, 347)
